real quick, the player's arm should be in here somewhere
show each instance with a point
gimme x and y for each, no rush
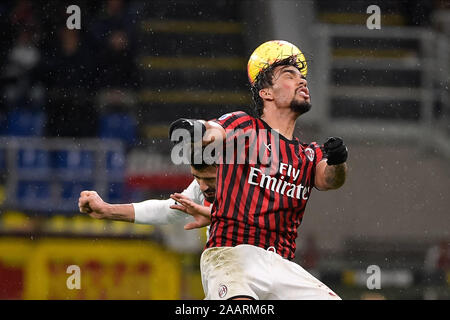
(153, 212)
(332, 171)
(93, 205)
(208, 131)
(158, 212)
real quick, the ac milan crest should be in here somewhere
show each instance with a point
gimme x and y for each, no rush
(309, 154)
(223, 291)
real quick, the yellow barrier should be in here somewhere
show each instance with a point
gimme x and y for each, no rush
(110, 269)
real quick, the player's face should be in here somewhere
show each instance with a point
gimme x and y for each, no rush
(290, 89)
(206, 179)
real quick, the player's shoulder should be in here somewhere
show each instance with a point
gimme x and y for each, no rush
(305, 145)
(234, 115)
(194, 192)
(312, 150)
(314, 145)
(236, 120)
(197, 195)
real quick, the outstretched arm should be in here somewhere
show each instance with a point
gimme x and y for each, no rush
(153, 212)
(93, 205)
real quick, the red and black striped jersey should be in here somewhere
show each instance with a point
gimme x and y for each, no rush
(258, 202)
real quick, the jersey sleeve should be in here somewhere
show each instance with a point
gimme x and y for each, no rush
(319, 155)
(158, 212)
(319, 152)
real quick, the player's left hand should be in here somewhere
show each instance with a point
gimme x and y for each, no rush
(336, 151)
(201, 214)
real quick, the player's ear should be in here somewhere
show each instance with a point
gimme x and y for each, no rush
(266, 94)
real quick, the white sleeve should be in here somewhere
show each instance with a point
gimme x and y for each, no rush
(157, 212)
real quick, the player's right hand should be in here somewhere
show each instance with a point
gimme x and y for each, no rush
(92, 204)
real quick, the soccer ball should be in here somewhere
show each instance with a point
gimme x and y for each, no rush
(272, 51)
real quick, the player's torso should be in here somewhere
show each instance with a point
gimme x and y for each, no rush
(261, 197)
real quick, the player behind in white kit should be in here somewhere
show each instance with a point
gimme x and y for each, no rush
(196, 198)
(259, 206)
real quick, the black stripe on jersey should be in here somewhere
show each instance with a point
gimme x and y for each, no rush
(250, 191)
(248, 203)
(297, 151)
(257, 214)
(279, 211)
(300, 211)
(226, 209)
(288, 213)
(241, 189)
(221, 178)
(271, 201)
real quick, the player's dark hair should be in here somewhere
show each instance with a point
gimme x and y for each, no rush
(202, 165)
(264, 80)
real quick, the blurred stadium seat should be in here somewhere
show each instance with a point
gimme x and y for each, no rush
(73, 163)
(35, 160)
(118, 126)
(115, 192)
(25, 123)
(33, 194)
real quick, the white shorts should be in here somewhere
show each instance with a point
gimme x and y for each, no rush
(252, 272)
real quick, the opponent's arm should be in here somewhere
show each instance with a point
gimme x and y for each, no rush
(208, 131)
(93, 205)
(153, 212)
(158, 212)
(332, 171)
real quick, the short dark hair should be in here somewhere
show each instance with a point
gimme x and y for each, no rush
(264, 80)
(203, 165)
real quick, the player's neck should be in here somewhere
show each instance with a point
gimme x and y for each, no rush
(281, 120)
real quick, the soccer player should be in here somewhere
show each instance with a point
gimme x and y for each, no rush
(195, 200)
(258, 207)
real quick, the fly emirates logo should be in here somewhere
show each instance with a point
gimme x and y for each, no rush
(257, 177)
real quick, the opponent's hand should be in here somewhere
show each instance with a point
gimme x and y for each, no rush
(336, 151)
(92, 204)
(201, 214)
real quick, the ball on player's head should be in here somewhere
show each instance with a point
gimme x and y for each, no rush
(270, 52)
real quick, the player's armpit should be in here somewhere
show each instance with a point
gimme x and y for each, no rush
(329, 177)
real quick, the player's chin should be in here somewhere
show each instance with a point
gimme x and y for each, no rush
(301, 106)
